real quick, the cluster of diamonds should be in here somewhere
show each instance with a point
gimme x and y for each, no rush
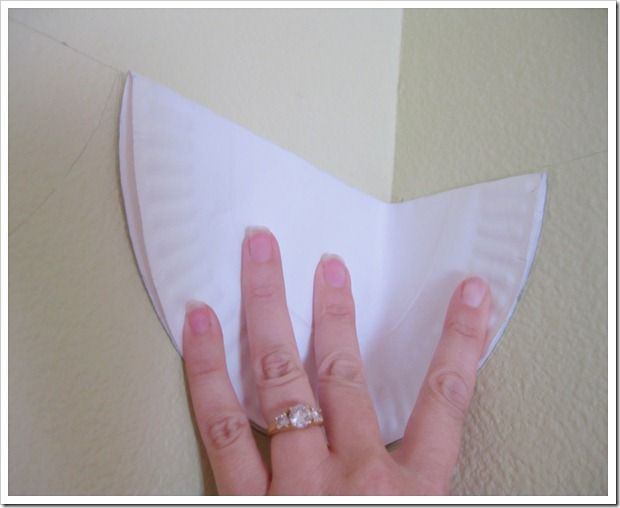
(299, 416)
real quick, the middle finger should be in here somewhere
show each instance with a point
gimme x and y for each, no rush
(280, 377)
(351, 421)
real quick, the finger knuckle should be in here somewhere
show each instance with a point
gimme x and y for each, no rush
(465, 326)
(202, 370)
(451, 390)
(277, 368)
(342, 367)
(340, 311)
(223, 431)
(263, 291)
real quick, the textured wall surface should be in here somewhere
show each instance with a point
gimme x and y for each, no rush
(485, 94)
(97, 400)
(490, 93)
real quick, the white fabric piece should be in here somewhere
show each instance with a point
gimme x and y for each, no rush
(193, 181)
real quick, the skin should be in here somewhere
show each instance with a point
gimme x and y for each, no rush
(347, 455)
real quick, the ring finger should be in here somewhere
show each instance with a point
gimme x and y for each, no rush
(352, 426)
(279, 374)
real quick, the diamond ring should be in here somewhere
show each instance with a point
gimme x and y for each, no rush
(300, 416)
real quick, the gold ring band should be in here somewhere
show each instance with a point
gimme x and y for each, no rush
(298, 417)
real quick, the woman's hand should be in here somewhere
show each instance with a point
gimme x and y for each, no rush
(347, 456)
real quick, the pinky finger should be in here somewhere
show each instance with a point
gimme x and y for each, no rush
(224, 428)
(432, 439)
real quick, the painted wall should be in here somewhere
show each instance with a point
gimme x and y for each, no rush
(97, 400)
(485, 94)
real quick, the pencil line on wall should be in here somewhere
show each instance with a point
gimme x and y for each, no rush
(64, 44)
(73, 164)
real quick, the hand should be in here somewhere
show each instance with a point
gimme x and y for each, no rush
(347, 456)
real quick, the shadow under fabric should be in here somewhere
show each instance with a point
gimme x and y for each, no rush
(193, 181)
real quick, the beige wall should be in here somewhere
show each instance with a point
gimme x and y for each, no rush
(97, 402)
(490, 93)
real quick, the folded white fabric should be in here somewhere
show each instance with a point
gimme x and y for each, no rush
(193, 181)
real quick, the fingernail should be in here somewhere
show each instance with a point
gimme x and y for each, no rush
(260, 243)
(334, 271)
(198, 317)
(473, 292)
